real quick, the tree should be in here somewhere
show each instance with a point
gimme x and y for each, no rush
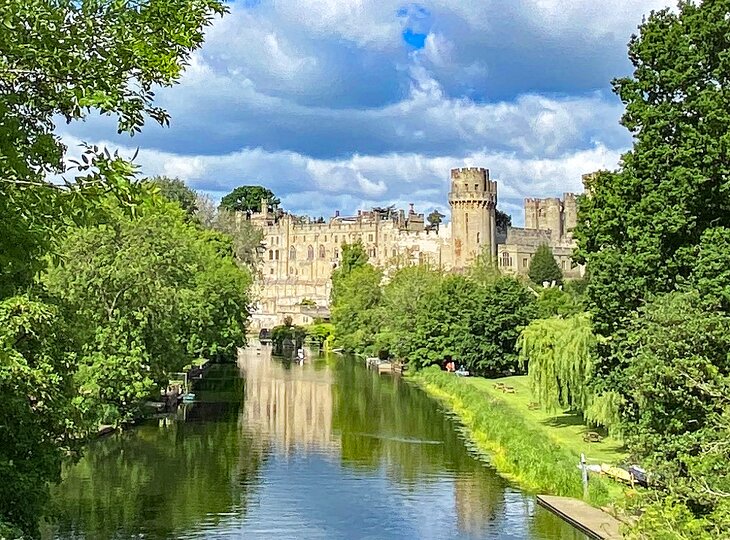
(353, 256)
(175, 190)
(678, 417)
(355, 300)
(435, 218)
(504, 221)
(442, 323)
(491, 324)
(248, 199)
(65, 59)
(559, 355)
(544, 267)
(153, 294)
(404, 297)
(638, 227)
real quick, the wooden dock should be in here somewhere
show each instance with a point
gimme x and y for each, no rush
(595, 523)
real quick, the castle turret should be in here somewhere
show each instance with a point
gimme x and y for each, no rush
(473, 201)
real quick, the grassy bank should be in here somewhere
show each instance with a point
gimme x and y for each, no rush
(538, 451)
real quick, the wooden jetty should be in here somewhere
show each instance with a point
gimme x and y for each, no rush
(593, 522)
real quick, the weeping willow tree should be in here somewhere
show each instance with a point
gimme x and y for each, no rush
(558, 354)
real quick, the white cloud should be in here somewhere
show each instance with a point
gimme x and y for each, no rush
(319, 186)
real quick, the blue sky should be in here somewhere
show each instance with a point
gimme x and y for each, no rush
(346, 104)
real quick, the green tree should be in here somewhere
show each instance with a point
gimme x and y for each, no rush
(404, 297)
(248, 199)
(443, 321)
(175, 190)
(491, 323)
(544, 267)
(559, 355)
(678, 418)
(65, 59)
(504, 221)
(152, 293)
(435, 218)
(355, 300)
(638, 227)
(353, 256)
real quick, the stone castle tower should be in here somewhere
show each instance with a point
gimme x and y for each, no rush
(473, 201)
(553, 214)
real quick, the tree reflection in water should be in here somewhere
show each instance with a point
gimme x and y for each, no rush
(276, 448)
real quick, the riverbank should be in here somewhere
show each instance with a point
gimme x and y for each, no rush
(538, 451)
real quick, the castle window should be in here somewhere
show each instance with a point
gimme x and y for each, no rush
(466, 218)
(563, 264)
(394, 253)
(337, 253)
(371, 253)
(506, 259)
(335, 238)
(271, 271)
(524, 262)
(325, 237)
(310, 253)
(293, 253)
(276, 254)
(271, 254)
(476, 187)
(370, 238)
(479, 238)
(322, 252)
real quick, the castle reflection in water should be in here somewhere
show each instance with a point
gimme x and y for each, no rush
(291, 408)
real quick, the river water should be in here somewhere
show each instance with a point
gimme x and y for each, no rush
(271, 449)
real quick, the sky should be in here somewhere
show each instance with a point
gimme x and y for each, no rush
(348, 104)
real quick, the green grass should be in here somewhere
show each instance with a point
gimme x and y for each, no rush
(537, 450)
(564, 428)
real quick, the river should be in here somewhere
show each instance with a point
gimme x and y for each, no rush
(271, 449)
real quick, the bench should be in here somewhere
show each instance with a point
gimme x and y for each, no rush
(592, 437)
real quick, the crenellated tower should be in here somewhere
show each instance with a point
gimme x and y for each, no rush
(473, 201)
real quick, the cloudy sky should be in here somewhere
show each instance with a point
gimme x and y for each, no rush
(346, 104)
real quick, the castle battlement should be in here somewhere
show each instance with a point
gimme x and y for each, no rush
(299, 254)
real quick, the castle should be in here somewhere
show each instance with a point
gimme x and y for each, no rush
(300, 254)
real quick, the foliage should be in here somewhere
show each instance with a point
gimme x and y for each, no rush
(441, 324)
(248, 199)
(504, 221)
(678, 421)
(62, 60)
(65, 59)
(38, 419)
(175, 190)
(638, 227)
(489, 343)
(554, 301)
(321, 333)
(246, 237)
(353, 256)
(150, 294)
(669, 518)
(355, 297)
(404, 295)
(287, 335)
(559, 356)
(514, 447)
(435, 218)
(544, 267)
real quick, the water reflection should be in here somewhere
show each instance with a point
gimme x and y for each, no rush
(279, 450)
